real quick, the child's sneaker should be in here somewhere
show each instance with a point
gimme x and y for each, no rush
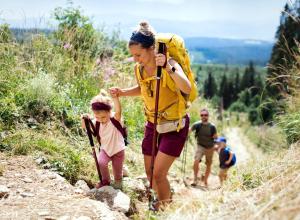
(100, 184)
(118, 185)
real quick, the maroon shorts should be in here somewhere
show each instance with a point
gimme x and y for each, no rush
(170, 143)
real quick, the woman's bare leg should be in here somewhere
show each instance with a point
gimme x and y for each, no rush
(162, 165)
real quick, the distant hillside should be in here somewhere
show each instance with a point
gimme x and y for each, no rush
(228, 51)
(202, 49)
(22, 34)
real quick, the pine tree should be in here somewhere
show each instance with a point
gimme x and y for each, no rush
(246, 79)
(288, 33)
(224, 92)
(236, 85)
(210, 86)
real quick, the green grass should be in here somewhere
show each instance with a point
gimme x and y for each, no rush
(58, 150)
(266, 138)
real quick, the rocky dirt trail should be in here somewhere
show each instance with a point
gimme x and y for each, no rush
(28, 192)
(244, 151)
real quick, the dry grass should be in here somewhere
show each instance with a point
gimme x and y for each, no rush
(1, 170)
(275, 193)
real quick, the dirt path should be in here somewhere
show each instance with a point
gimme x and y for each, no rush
(244, 151)
(35, 193)
(236, 141)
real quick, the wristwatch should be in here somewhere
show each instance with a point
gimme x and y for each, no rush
(173, 69)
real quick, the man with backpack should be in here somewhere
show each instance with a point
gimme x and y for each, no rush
(205, 133)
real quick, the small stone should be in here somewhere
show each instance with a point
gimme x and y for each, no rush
(65, 217)
(125, 171)
(26, 194)
(78, 191)
(43, 213)
(52, 176)
(31, 121)
(27, 180)
(81, 184)
(49, 218)
(40, 160)
(83, 218)
(4, 191)
(47, 166)
(10, 185)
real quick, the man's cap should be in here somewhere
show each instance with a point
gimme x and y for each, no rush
(220, 139)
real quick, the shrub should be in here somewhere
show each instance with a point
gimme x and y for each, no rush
(38, 96)
(251, 180)
(290, 123)
(9, 112)
(238, 107)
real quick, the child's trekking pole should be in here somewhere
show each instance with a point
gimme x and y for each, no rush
(89, 133)
(161, 49)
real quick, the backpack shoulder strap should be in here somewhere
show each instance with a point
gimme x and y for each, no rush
(197, 129)
(97, 132)
(118, 125)
(213, 129)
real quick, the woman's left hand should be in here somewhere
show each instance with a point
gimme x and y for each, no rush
(160, 59)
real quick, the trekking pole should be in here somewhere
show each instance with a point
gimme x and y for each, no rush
(184, 161)
(161, 49)
(89, 133)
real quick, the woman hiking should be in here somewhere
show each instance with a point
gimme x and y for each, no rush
(170, 141)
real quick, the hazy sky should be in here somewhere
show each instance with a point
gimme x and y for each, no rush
(250, 19)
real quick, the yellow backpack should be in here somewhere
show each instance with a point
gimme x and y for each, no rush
(177, 50)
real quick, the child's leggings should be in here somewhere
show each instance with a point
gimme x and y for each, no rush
(117, 166)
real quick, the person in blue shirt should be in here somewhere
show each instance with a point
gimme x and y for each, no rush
(227, 158)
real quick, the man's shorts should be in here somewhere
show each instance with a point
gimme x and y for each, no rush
(207, 152)
(170, 143)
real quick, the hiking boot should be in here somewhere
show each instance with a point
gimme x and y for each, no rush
(194, 183)
(154, 205)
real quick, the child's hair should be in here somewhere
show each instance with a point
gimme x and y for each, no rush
(102, 98)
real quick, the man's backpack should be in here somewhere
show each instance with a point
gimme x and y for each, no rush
(123, 129)
(211, 127)
(176, 49)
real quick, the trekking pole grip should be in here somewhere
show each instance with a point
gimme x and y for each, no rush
(161, 49)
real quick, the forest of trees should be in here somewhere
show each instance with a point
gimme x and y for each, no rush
(251, 91)
(236, 90)
(282, 58)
